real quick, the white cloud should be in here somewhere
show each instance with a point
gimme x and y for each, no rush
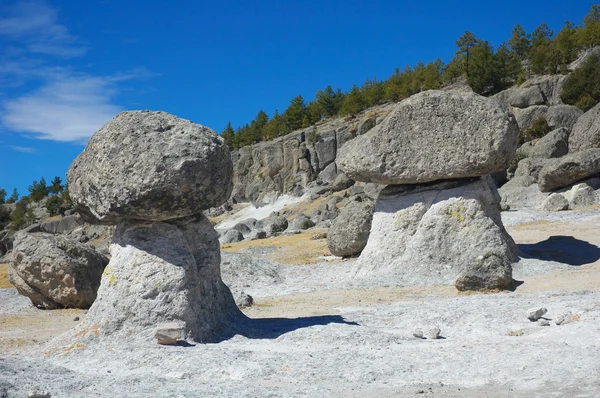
(35, 24)
(24, 149)
(60, 103)
(70, 108)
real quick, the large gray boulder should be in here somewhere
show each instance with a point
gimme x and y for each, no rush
(429, 234)
(526, 97)
(63, 225)
(530, 167)
(164, 272)
(150, 166)
(431, 136)
(564, 116)
(521, 193)
(349, 231)
(54, 271)
(561, 172)
(526, 117)
(272, 225)
(553, 145)
(586, 132)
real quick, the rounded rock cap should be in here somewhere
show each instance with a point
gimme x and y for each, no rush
(150, 166)
(432, 136)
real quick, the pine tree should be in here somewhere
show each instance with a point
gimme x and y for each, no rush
(483, 73)
(2, 196)
(227, 135)
(520, 41)
(56, 186)
(353, 103)
(590, 34)
(13, 197)
(257, 126)
(294, 114)
(566, 44)
(465, 43)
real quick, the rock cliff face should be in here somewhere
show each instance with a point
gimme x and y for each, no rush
(289, 164)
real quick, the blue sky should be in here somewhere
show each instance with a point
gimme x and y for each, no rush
(69, 66)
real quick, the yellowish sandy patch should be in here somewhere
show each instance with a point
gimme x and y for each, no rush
(34, 327)
(294, 249)
(4, 283)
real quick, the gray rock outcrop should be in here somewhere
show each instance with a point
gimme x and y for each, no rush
(561, 172)
(55, 271)
(441, 128)
(349, 232)
(149, 166)
(431, 233)
(586, 132)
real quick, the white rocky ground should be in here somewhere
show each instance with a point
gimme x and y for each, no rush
(317, 331)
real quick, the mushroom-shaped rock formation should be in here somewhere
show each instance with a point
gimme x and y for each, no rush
(152, 174)
(440, 215)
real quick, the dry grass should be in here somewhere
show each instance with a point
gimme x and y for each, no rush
(327, 302)
(294, 249)
(4, 283)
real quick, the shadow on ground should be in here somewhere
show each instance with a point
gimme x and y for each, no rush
(562, 249)
(272, 328)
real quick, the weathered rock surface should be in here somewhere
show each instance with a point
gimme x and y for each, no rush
(164, 272)
(586, 132)
(526, 97)
(530, 167)
(441, 128)
(54, 271)
(301, 222)
(233, 235)
(553, 145)
(536, 313)
(349, 232)
(555, 202)
(521, 193)
(490, 271)
(273, 224)
(431, 233)
(526, 117)
(564, 171)
(63, 225)
(150, 166)
(169, 333)
(563, 116)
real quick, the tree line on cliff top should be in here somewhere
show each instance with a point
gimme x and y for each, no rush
(486, 70)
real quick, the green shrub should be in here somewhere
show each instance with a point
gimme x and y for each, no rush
(538, 129)
(582, 88)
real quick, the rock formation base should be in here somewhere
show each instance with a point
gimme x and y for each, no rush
(431, 233)
(164, 272)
